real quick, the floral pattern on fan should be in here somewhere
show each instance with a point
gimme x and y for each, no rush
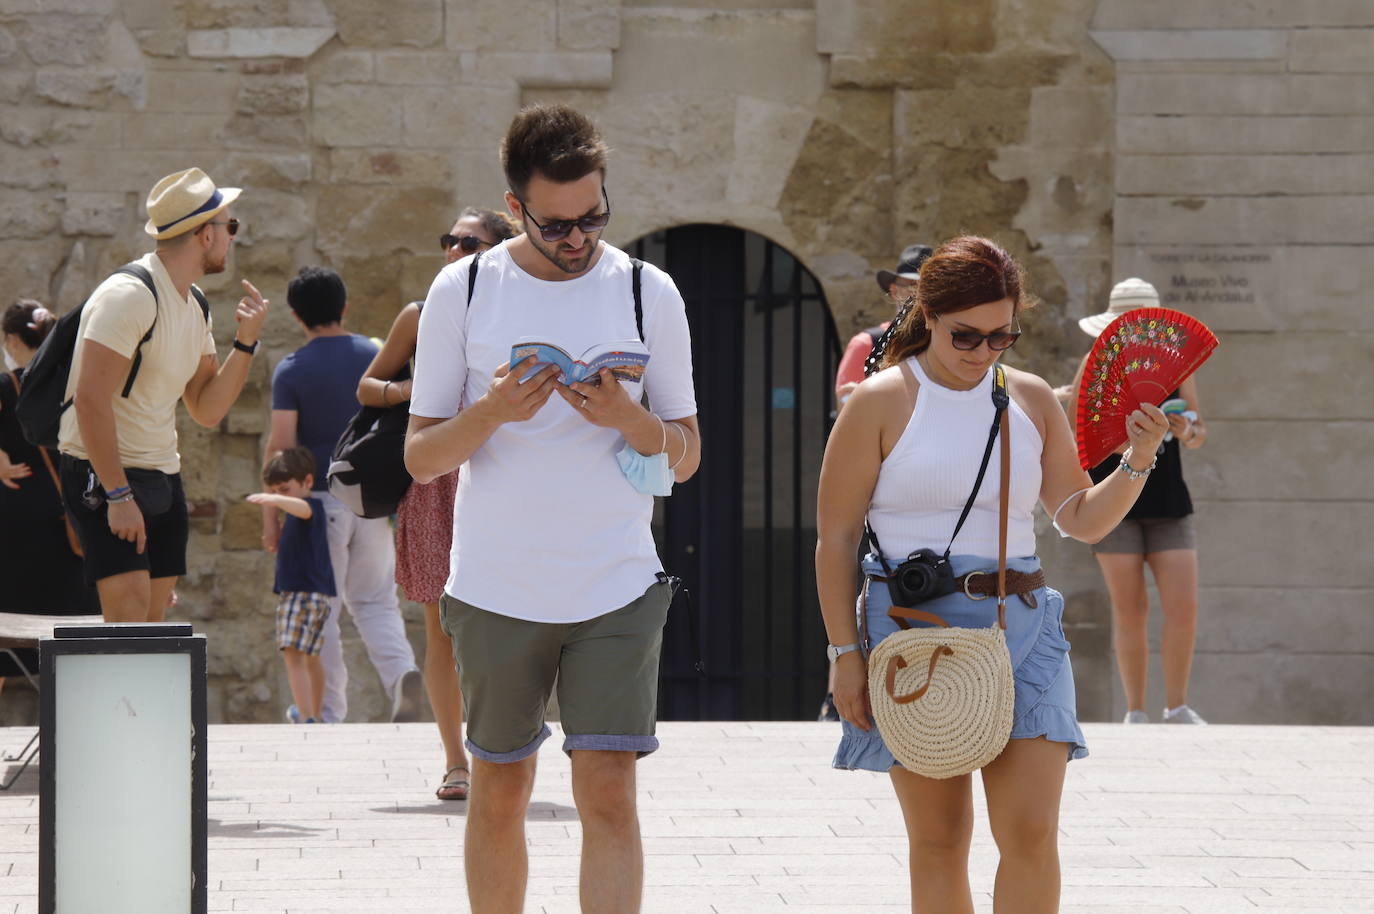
(1141, 357)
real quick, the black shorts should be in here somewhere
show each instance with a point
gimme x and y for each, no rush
(108, 555)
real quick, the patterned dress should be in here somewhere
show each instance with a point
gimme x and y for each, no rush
(424, 536)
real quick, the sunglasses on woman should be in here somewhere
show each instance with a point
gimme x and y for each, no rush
(557, 231)
(467, 243)
(969, 340)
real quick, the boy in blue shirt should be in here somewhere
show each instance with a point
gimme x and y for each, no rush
(305, 576)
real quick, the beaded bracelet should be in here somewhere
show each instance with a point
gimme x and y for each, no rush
(1132, 472)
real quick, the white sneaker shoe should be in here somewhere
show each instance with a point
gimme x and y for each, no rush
(1183, 715)
(1136, 717)
(408, 703)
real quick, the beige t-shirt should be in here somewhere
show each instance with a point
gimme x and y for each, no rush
(117, 315)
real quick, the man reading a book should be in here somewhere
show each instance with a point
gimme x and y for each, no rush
(578, 593)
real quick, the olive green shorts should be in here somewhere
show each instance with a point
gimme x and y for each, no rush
(1148, 535)
(606, 669)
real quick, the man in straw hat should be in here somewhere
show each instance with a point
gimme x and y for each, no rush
(121, 472)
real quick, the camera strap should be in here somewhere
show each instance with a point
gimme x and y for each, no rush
(1000, 401)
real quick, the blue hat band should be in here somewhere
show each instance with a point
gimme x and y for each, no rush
(212, 203)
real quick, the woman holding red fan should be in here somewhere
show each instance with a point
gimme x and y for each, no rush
(904, 454)
(1158, 532)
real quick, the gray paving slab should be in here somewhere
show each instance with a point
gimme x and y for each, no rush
(748, 817)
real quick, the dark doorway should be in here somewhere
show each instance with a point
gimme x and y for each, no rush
(741, 533)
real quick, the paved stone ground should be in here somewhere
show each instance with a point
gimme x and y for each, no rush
(747, 817)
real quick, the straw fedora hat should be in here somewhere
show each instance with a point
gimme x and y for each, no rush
(1127, 295)
(185, 201)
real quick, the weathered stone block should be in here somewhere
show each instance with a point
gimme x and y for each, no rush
(1257, 135)
(1251, 94)
(963, 118)
(274, 215)
(421, 68)
(173, 131)
(768, 139)
(161, 42)
(1332, 51)
(338, 65)
(192, 91)
(34, 168)
(501, 25)
(356, 115)
(278, 171)
(93, 214)
(1222, 471)
(1065, 209)
(1193, 44)
(1328, 286)
(390, 166)
(30, 7)
(257, 42)
(273, 94)
(223, 14)
(548, 69)
(9, 46)
(375, 292)
(1259, 175)
(920, 26)
(127, 170)
(1265, 14)
(381, 219)
(1259, 620)
(27, 214)
(255, 131)
(589, 24)
(415, 23)
(1230, 288)
(1281, 688)
(1200, 220)
(64, 39)
(663, 51)
(1071, 117)
(90, 88)
(1305, 360)
(444, 118)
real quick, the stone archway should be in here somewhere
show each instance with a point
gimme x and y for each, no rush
(742, 532)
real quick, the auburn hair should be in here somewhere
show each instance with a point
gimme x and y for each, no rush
(963, 273)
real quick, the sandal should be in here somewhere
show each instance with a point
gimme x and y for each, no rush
(454, 788)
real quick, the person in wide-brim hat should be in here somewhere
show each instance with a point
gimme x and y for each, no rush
(1127, 295)
(184, 201)
(908, 266)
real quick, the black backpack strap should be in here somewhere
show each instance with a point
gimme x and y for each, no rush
(201, 300)
(637, 267)
(472, 275)
(140, 272)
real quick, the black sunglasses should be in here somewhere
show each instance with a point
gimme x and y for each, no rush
(230, 225)
(969, 340)
(557, 231)
(468, 243)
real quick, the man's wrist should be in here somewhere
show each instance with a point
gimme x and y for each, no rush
(245, 346)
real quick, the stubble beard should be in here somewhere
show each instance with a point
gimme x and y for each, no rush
(563, 263)
(210, 266)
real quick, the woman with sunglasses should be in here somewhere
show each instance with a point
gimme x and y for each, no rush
(424, 521)
(904, 455)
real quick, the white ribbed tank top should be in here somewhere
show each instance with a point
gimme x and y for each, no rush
(924, 483)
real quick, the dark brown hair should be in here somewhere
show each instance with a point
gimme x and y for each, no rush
(294, 463)
(498, 225)
(19, 320)
(963, 273)
(553, 141)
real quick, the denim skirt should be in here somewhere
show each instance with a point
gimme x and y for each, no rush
(1045, 701)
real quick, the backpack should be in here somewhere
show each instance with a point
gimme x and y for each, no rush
(367, 471)
(41, 402)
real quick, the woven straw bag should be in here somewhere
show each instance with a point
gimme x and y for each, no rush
(943, 697)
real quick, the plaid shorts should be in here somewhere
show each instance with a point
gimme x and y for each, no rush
(300, 619)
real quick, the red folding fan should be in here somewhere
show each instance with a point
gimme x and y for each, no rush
(1141, 357)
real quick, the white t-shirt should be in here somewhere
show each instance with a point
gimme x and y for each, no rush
(545, 526)
(117, 314)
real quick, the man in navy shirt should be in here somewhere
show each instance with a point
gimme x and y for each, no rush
(313, 398)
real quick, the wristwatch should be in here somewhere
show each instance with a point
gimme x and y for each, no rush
(834, 653)
(244, 347)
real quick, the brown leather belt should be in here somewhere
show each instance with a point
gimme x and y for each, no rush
(979, 585)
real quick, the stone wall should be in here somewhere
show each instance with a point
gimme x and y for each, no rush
(1244, 183)
(841, 129)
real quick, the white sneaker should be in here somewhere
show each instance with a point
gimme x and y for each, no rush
(1183, 715)
(408, 702)
(1136, 717)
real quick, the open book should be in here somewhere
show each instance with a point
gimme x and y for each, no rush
(626, 359)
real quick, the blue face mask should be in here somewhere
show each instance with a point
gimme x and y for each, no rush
(649, 475)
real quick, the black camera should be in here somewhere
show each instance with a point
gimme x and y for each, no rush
(924, 576)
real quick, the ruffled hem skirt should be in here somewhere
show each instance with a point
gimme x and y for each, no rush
(1045, 704)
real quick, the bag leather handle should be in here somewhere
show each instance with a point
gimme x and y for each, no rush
(897, 663)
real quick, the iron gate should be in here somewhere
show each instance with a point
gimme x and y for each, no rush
(741, 533)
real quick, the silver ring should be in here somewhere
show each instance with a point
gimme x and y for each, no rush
(584, 402)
